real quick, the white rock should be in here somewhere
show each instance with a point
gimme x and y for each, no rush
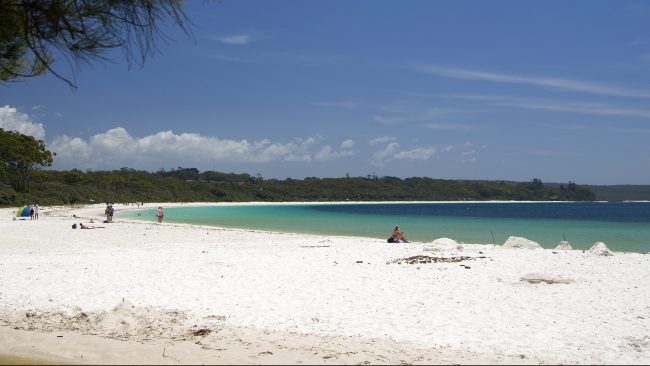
(543, 277)
(519, 242)
(564, 245)
(442, 244)
(600, 249)
(445, 242)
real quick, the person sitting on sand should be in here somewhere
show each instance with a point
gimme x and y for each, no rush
(397, 236)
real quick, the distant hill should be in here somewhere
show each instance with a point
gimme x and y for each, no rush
(622, 192)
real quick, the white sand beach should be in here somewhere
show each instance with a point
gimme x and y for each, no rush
(141, 292)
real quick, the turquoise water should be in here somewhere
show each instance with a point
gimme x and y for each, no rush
(622, 226)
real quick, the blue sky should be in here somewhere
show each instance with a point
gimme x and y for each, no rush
(505, 90)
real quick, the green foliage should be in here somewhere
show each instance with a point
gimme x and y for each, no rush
(190, 185)
(7, 195)
(20, 155)
(14, 50)
(33, 32)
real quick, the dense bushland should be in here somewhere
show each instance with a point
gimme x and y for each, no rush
(188, 185)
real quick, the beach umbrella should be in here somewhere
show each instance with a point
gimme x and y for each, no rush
(23, 212)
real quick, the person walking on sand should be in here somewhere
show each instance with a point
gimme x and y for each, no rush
(161, 214)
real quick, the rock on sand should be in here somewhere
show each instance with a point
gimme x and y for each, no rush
(519, 242)
(600, 249)
(442, 244)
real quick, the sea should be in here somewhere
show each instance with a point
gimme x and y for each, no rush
(623, 226)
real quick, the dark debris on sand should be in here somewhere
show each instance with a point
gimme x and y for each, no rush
(422, 259)
(202, 332)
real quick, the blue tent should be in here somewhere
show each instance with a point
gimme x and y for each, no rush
(23, 212)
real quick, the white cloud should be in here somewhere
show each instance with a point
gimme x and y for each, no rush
(12, 120)
(416, 154)
(326, 153)
(582, 108)
(381, 140)
(235, 39)
(550, 82)
(347, 144)
(446, 126)
(468, 156)
(380, 157)
(549, 105)
(393, 151)
(117, 148)
(71, 151)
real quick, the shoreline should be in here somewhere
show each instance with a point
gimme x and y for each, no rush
(581, 243)
(269, 297)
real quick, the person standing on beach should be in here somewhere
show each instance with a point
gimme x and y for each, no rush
(111, 211)
(161, 214)
(31, 212)
(36, 212)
